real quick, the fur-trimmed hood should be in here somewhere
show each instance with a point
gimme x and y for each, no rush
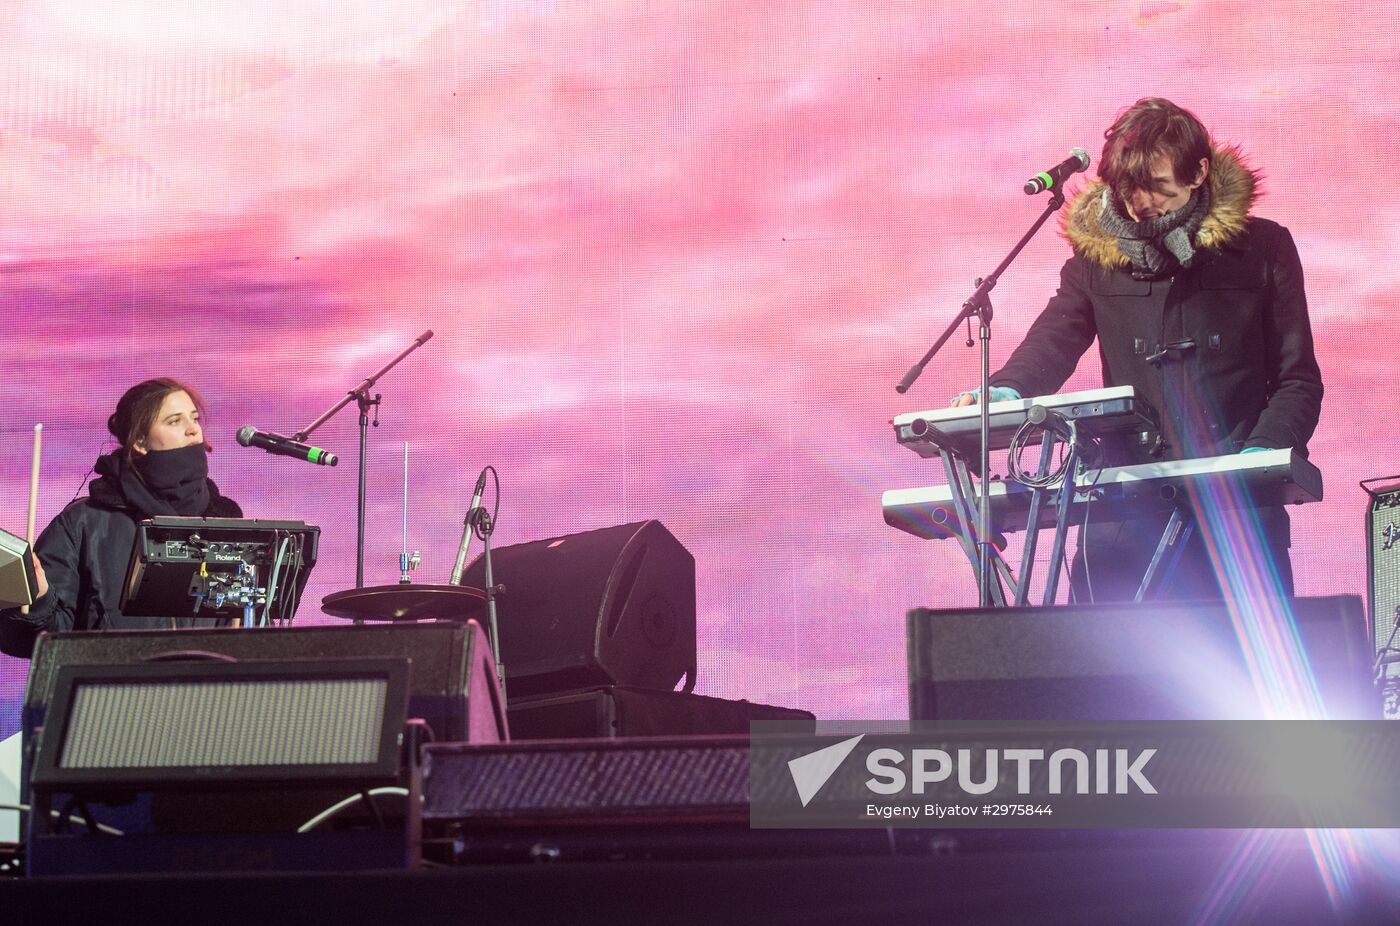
(1233, 188)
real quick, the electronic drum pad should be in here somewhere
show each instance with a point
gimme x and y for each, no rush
(17, 579)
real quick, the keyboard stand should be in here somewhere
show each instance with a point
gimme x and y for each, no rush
(1069, 487)
(964, 498)
(1175, 535)
(1037, 500)
(1023, 587)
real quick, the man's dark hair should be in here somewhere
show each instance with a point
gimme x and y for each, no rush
(1149, 129)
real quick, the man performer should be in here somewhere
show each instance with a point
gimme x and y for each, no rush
(1199, 306)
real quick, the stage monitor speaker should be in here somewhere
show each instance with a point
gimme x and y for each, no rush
(614, 606)
(452, 679)
(1383, 582)
(214, 725)
(217, 765)
(1179, 661)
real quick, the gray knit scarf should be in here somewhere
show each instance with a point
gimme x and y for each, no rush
(1157, 246)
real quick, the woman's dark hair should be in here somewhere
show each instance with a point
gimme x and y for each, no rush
(138, 407)
(1149, 129)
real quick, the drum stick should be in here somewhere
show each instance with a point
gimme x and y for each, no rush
(33, 493)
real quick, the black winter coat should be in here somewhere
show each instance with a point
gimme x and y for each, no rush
(85, 552)
(1223, 350)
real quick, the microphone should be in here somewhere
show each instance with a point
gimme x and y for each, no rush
(468, 525)
(1051, 179)
(250, 436)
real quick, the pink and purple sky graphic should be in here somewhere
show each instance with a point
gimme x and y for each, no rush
(676, 256)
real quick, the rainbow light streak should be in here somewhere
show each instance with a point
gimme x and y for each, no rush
(1267, 631)
(1240, 880)
(1260, 855)
(1254, 597)
(1338, 862)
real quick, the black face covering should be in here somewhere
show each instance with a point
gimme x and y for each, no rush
(167, 482)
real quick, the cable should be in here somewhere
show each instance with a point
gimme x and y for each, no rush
(337, 807)
(495, 507)
(373, 810)
(291, 593)
(277, 595)
(1088, 451)
(284, 597)
(298, 583)
(1083, 528)
(271, 594)
(282, 543)
(75, 802)
(72, 818)
(188, 655)
(101, 449)
(1017, 447)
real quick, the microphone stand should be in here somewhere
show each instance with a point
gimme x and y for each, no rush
(980, 304)
(484, 525)
(360, 395)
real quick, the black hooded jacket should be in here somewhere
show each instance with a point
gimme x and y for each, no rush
(1223, 351)
(85, 552)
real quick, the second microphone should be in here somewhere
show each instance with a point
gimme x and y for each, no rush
(250, 436)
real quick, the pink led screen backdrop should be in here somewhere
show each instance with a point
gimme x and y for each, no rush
(676, 256)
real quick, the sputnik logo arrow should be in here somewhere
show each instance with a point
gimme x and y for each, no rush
(812, 771)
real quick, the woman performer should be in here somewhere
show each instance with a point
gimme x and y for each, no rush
(160, 468)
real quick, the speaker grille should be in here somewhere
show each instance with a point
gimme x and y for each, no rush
(1383, 558)
(242, 723)
(579, 780)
